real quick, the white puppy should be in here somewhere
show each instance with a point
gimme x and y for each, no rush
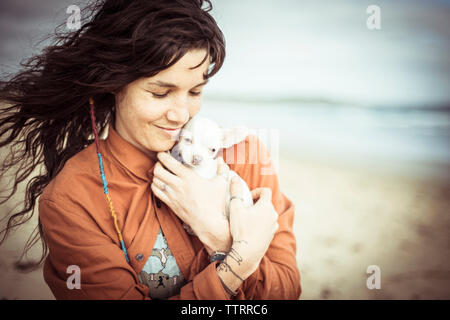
(198, 145)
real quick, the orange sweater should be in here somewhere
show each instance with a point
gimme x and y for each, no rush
(79, 230)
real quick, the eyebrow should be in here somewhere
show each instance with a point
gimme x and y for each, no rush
(171, 85)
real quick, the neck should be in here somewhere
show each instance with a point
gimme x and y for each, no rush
(150, 154)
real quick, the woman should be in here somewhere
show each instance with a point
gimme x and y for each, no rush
(114, 208)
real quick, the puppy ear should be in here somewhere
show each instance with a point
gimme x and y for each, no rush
(231, 136)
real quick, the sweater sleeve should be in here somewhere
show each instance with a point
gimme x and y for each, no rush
(76, 242)
(277, 276)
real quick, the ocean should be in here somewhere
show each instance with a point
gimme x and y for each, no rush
(405, 140)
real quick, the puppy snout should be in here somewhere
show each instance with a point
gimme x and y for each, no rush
(196, 159)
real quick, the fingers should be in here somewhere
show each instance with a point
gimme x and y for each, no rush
(236, 189)
(160, 194)
(176, 167)
(264, 196)
(262, 193)
(236, 195)
(160, 185)
(222, 167)
(164, 175)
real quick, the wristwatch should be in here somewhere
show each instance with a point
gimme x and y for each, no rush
(217, 256)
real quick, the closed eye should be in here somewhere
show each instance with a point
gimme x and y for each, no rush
(159, 96)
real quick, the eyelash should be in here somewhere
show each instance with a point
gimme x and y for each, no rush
(160, 96)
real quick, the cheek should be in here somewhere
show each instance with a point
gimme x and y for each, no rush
(150, 111)
(137, 109)
(195, 107)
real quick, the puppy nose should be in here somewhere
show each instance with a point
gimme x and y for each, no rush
(196, 159)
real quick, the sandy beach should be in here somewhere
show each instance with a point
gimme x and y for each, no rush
(347, 218)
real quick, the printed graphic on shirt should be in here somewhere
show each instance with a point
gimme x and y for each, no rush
(161, 273)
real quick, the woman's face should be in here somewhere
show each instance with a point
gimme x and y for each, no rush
(150, 111)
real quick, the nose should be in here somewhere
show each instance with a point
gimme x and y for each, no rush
(177, 115)
(179, 112)
(196, 159)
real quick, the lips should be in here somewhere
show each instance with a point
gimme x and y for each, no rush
(171, 132)
(169, 129)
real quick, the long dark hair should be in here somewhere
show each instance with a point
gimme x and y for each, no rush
(45, 113)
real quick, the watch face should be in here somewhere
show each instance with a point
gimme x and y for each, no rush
(218, 257)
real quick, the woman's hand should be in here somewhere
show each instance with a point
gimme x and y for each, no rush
(252, 228)
(198, 202)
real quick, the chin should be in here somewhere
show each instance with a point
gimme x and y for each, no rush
(164, 146)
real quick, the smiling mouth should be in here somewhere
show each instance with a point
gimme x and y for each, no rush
(170, 132)
(169, 129)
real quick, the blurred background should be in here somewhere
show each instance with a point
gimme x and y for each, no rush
(363, 119)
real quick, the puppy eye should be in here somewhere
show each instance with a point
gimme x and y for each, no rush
(187, 140)
(213, 150)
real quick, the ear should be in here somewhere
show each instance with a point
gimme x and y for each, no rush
(231, 136)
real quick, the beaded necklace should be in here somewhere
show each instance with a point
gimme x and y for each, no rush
(105, 184)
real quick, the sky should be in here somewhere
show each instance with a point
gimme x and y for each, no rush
(299, 49)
